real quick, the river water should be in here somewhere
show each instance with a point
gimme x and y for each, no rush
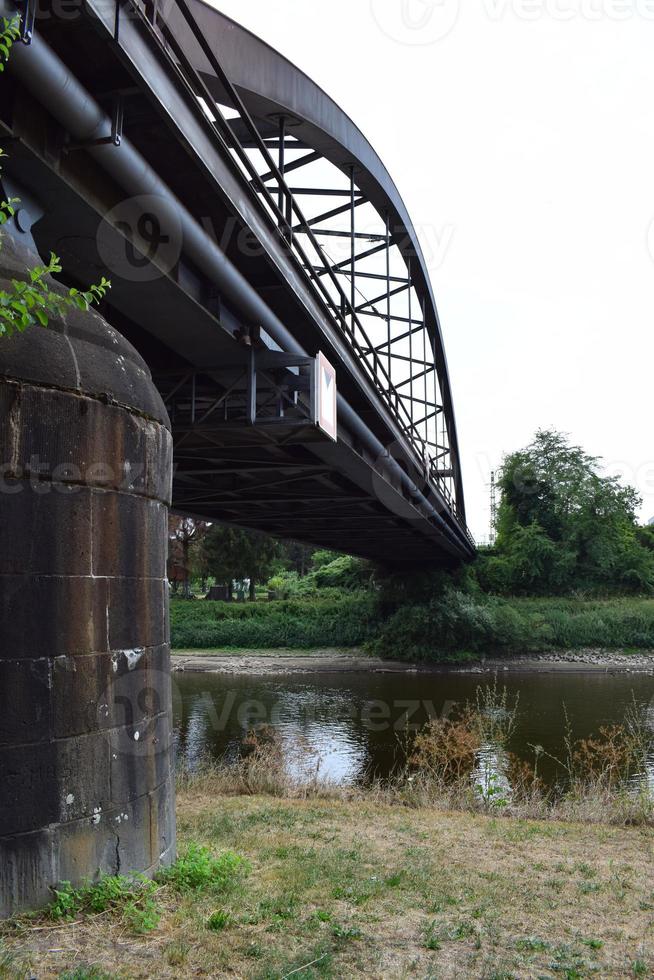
(352, 725)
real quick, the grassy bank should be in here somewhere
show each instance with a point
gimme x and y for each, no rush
(331, 888)
(451, 626)
(342, 621)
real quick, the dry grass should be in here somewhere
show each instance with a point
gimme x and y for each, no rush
(366, 889)
(460, 763)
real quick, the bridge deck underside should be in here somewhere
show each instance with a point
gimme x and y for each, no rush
(299, 489)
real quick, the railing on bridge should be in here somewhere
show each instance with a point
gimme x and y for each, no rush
(387, 330)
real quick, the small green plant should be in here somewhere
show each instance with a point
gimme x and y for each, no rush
(198, 869)
(639, 968)
(9, 34)
(86, 973)
(493, 792)
(142, 916)
(67, 902)
(431, 937)
(33, 302)
(346, 932)
(131, 898)
(10, 966)
(531, 944)
(218, 920)
(177, 953)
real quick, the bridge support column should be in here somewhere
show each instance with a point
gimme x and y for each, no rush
(86, 775)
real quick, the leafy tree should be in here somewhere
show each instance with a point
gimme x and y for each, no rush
(185, 535)
(562, 525)
(232, 553)
(645, 536)
(295, 556)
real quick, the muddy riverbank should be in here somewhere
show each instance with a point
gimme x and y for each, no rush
(357, 661)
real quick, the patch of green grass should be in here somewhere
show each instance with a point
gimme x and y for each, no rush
(589, 887)
(435, 933)
(346, 932)
(218, 920)
(307, 964)
(532, 944)
(11, 967)
(569, 963)
(198, 869)
(431, 938)
(593, 943)
(86, 973)
(176, 953)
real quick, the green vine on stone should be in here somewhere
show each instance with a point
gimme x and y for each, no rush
(9, 33)
(33, 302)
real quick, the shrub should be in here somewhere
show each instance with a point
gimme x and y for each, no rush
(454, 622)
(198, 869)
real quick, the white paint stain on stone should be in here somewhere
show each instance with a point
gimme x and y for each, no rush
(137, 736)
(70, 799)
(133, 657)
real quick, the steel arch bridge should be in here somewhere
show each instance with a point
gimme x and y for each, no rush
(259, 253)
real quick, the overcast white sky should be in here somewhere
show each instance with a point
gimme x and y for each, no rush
(521, 136)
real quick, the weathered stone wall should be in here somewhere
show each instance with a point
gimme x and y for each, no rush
(86, 769)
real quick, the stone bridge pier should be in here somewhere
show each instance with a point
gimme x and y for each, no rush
(86, 769)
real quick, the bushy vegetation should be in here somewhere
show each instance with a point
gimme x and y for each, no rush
(330, 575)
(341, 621)
(130, 897)
(457, 624)
(445, 622)
(450, 626)
(563, 531)
(134, 899)
(564, 527)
